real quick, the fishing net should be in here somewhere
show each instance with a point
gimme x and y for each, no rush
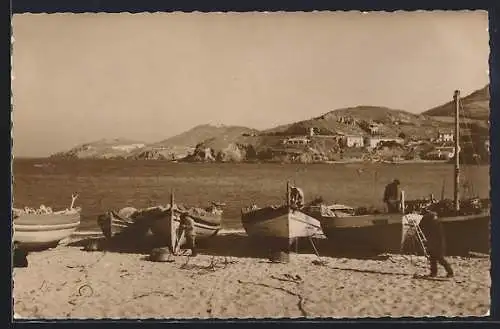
(42, 210)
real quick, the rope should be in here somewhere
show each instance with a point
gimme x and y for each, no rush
(319, 261)
(468, 127)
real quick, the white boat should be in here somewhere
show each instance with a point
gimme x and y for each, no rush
(277, 227)
(36, 230)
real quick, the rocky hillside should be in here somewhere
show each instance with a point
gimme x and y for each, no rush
(103, 149)
(204, 142)
(475, 106)
(175, 148)
(357, 120)
(203, 133)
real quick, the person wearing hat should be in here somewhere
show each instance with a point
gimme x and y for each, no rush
(187, 226)
(392, 196)
(435, 242)
(216, 207)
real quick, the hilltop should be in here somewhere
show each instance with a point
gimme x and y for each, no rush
(203, 133)
(216, 137)
(475, 106)
(173, 148)
(356, 121)
(102, 149)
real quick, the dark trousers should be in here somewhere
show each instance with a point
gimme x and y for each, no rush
(439, 258)
(20, 258)
(191, 243)
(392, 206)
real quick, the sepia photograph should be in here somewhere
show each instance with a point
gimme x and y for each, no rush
(253, 165)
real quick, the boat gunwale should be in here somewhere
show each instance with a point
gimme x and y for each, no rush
(48, 219)
(329, 222)
(44, 227)
(197, 219)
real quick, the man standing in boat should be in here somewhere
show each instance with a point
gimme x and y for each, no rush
(187, 227)
(392, 196)
(296, 197)
(435, 242)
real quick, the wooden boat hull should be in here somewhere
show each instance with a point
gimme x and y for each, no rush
(382, 233)
(41, 231)
(167, 228)
(467, 233)
(162, 224)
(277, 228)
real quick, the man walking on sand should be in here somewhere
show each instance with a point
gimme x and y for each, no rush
(391, 196)
(433, 231)
(187, 226)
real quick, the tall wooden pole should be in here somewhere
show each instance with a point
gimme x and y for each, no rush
(172, 201)
(457, 150)
(288, 193)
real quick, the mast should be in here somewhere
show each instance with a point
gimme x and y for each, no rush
(288, 193)
(456, 200)
(172, 204)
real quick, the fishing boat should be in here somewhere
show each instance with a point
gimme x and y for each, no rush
(277, 227)
(207, 223)
(351, 230)
(43, 228)
(163, 222)
(466, 222)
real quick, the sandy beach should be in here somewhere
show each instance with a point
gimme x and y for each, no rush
(67, 282)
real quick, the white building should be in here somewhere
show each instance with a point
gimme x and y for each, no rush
(354, 141)
(373, 142)
(374, 128)
(296, 141)
(445, 136)
(128, 147)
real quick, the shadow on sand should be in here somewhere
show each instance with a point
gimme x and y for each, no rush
(233, 245)
(239, 245)
(141, 246)
(223, 245)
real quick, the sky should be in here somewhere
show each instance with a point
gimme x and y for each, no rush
(83, 77)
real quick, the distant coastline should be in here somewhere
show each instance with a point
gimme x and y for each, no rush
(48, 161)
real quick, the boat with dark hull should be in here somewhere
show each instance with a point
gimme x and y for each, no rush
(382, 233)
(278, 227)
(466, 222)
(163, 223)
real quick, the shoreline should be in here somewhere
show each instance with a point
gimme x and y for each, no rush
(44, 161)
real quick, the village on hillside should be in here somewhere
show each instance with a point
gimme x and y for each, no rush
(357, 141)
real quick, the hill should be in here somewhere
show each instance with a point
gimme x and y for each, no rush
(102, 149)
(357, 120)
(196, 140)
(203, 133)
(475, 106)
